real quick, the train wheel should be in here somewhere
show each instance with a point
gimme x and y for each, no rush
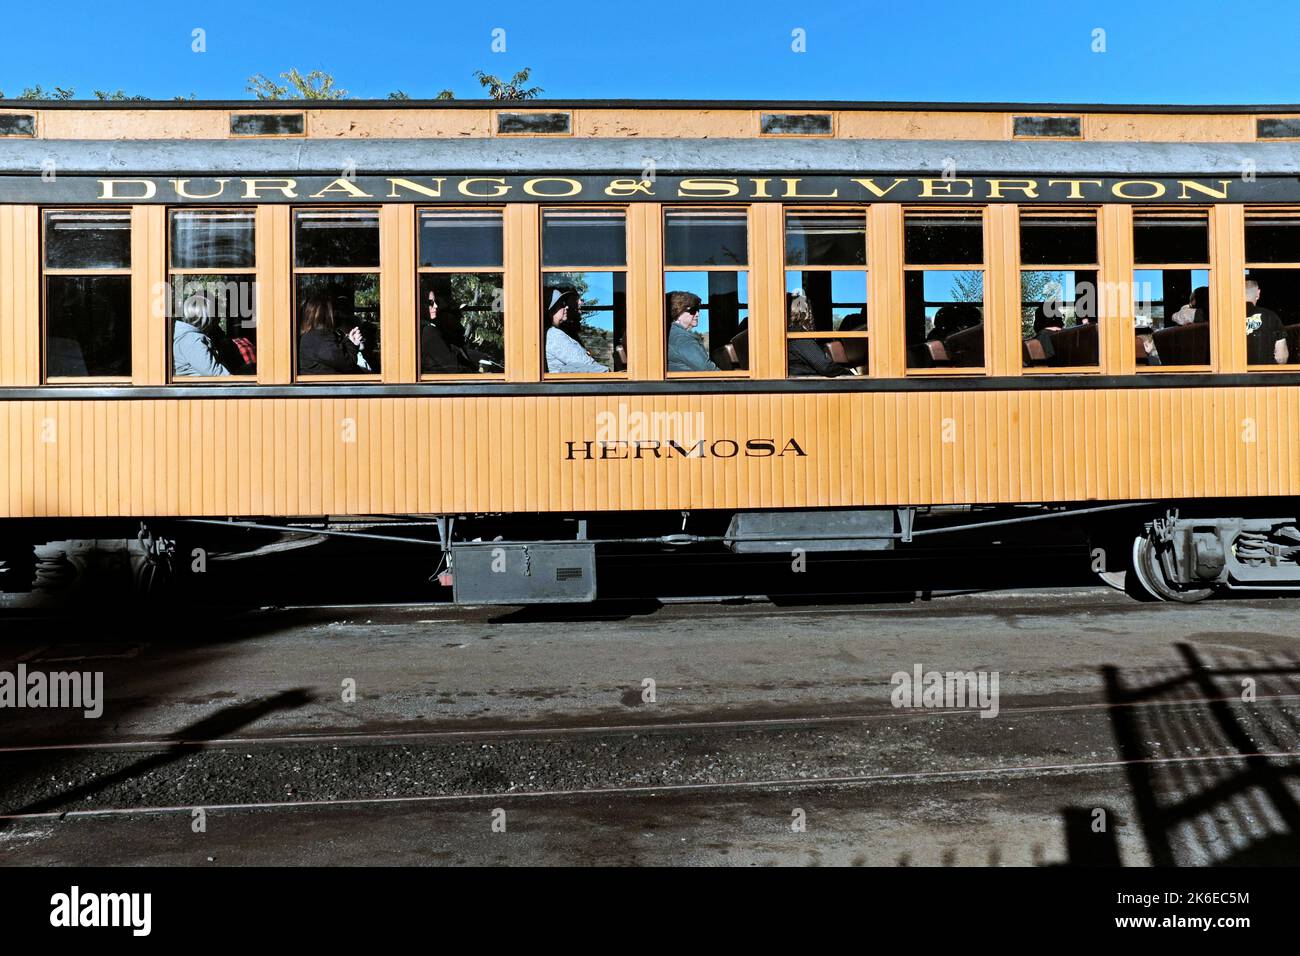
(1146, 578)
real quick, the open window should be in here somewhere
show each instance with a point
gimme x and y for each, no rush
(1171, 289)
(461, 305)
(943, 289)
(584, 291)
(1058, 289)
(1272, 310)
(336, 292)
(706, 268)
(212, 307)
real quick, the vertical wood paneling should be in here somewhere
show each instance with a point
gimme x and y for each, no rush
(1228, 287)
(523, 283)
(887, 357)
(645, 292)
(767, 350)
(1115, 295)
(399, 361)
(1002, 290)
(20, 358)
(149, 305)
(275, 323)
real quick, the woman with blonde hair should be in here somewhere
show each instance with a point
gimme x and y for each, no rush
(193, 352)
(806, 357)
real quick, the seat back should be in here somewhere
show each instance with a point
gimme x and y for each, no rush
(1184, 344)
(966, 348)
(1076, 346)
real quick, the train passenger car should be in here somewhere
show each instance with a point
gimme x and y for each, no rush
(524, 332)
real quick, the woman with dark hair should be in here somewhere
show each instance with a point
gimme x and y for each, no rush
(442, 336)
(1197, 308)
(322, 346)
(806, 357)
(561, 322)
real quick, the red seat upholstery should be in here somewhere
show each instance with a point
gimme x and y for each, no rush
(1184, 344)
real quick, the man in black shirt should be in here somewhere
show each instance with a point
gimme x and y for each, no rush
(1265, 336)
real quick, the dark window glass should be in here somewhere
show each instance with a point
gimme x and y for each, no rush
(1273, 128)
(1058, 318)
(1273, 240)
(460, 238)
(944, 315)
(795, 124)
(342, 302)
(462, 323)
(699, 238)
(87, 240)
(336, 238)
(17, 124)
(533, 123)
(1057, 242)
(88, 326)
(584, 238)
(212, 239)
(723, 327)
(942, 240)
(1279, 292)
(825, 240)
(225, 307)
(602, 326)
(267, 124)
(1168, 239)
(1051, 126)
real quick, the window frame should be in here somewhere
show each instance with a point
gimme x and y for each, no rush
(46, 272)
(936, 211)
(422, 270)
(1175, 212)
(844, 212)
(734, 374)
(1064, 212)
(543, 271)
(1268, 212)
(295, 270)
(169, 272)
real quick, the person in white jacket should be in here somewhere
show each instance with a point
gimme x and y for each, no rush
(193, 353)
(562, 319)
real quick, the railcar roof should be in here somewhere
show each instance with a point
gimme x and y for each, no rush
(610, 155)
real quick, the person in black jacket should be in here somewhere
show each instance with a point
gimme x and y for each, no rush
(442, 337)
(322, 347)
(806, 357)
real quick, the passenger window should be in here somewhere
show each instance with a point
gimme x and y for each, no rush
(826, 297)
(1171, 289)
(336, 291)
(943, 289)
(706, 301)
(1272, 290)
(584, 291)
(1058, 289)
(461, 305)
(87, 260)
(213, 300)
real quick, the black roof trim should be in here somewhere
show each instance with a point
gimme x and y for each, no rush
(843, 105)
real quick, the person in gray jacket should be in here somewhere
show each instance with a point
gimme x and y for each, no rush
(562, 322)
(193, 353)
(686, 353)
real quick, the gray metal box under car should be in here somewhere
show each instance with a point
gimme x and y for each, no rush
(508, 572)
(853, 530)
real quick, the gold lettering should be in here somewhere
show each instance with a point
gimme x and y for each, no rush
(760, 189)
(183, 192)
(1158, 189)
(530, 187)
(499, 187)
(286, 186)
(435, 190)
(928, 187)
(342, 186)
(792, 191)
(1027, 186)
(1075, 185)
(1202, 188)
(108, 188)
(702, 188)
(621, 188)
(871, 187)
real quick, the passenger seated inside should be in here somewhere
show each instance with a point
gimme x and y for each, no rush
(951, 319)
(686, 353)
(1197, 308)
(562, 321)
(1265, 335)
(442, 337)
(323, 347)
(1045, 323)
(193, 351)
(807, 357)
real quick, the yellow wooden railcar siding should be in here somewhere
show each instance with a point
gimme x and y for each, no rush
(424, 455)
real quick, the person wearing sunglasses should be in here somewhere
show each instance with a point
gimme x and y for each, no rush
(686, 352)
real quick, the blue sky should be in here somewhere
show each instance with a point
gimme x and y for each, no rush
(1194, 51)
